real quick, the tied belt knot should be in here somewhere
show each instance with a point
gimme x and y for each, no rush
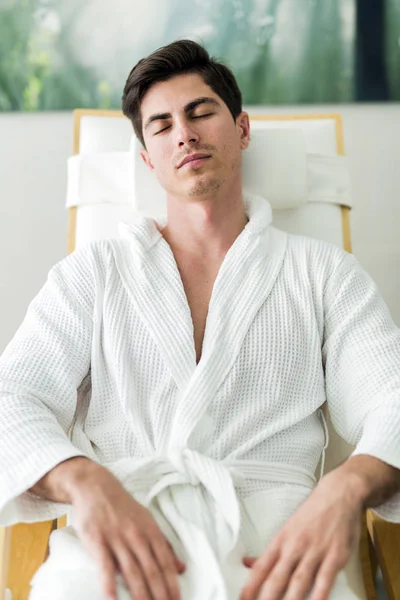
(180, 460)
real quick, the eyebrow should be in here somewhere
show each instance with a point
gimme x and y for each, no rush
(189, 107)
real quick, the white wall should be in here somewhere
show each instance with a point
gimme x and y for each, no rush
(33, 221)
(33, 153)
(372, 139)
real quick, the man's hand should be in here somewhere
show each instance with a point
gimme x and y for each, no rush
(312, 547)
(119, 533)
(122, 535)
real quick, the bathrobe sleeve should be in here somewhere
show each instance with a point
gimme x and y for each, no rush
(361, 356)
(40, 372)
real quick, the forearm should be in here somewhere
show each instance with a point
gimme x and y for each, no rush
(372, 480)
(59, 483)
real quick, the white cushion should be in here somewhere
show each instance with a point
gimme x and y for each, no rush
(98, 178)
(275, 166)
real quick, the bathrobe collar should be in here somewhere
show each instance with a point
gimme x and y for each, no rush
(243, 283)
(146, 231)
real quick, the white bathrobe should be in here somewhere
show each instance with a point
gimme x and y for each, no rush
(224, 451)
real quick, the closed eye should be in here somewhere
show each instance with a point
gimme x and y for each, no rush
(161, 130)
(201, 116)
(195, 117)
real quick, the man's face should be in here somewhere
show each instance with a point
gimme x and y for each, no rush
(183, 117)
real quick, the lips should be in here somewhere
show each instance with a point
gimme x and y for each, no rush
(191, 158)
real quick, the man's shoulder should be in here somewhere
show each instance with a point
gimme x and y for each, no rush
(317, 259)
(87, 268)
(315, 251)
(96, 254)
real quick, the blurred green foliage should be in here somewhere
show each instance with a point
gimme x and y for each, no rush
(38, 68)
(281, 51)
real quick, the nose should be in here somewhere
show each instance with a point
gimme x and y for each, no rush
(186, 135)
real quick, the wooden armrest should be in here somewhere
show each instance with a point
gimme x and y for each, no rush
(5, 536)
(385, 538)
(23, 548)
(369, 564)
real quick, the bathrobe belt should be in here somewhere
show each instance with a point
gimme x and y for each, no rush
(150, 476)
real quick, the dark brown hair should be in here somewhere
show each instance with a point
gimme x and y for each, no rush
(180, 57)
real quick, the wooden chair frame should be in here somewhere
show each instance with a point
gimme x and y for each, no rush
(24, 547)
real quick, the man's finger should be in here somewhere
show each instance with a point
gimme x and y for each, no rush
(249, 561)
(277, 581)
(166, 559)
(260, 570)
(180, 566)
(302, 578)
(132, 573)
(326, 578)
(155, 575)
(107, 571)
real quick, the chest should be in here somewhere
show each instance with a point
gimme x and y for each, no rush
(198, 281)
(141, 370)
(166, 312)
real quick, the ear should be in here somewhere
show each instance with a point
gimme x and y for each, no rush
(146, 158)
(243, 123)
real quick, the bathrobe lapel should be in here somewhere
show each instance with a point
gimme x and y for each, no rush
(244, 282)
(155, 287)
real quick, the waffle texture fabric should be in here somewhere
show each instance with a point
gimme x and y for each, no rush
(104, 366)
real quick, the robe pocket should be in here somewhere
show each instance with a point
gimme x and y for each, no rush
(264, 514)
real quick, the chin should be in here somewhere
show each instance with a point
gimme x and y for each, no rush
(203, 187)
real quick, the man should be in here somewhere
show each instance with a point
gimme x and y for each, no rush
(202, 350)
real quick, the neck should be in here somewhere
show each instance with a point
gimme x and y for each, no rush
(205, 226)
